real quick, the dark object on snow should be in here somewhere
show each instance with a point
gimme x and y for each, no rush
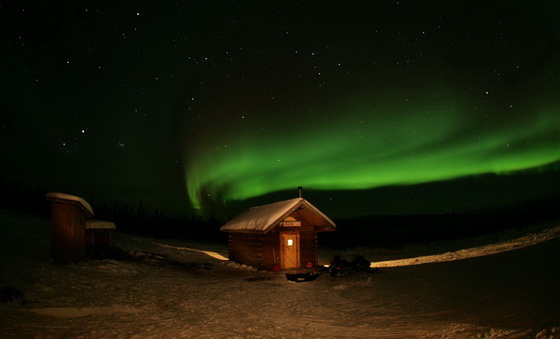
(9, 294)
(340, 266)
(302, 277)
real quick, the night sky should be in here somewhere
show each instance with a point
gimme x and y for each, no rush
(195, 107)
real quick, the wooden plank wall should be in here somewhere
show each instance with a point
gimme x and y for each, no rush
(68, 227)
(246, 248)
(308, 248)
(271, 251)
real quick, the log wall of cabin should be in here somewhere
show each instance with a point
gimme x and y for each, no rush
(271, 251)
(308, 248)
(246, 248)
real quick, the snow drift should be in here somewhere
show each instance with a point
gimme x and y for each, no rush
(174, 289)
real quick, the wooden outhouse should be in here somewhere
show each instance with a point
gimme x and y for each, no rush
(68, 226)
(277, 236)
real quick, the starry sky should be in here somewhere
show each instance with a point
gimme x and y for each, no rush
(199, 107)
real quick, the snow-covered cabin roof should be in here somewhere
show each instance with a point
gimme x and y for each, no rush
(262, 219)
(56, 196)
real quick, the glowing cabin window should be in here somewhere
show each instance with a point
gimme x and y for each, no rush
(290, 242)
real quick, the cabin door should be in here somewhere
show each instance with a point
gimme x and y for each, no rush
(289, 250)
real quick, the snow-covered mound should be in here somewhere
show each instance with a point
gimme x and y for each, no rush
(473, 252)
(174, 289)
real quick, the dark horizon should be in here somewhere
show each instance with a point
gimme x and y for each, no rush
(466, 195)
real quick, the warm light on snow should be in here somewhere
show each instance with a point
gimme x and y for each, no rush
(74, 312)
(208, 253)
(528, 240)
(193, 292)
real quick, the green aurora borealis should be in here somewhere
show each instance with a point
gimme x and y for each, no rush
(364, 144)
(403, 95)
(208, 108)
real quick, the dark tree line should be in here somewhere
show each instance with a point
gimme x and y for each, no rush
(138, 219)
(23, 198)
(391, 231)
(374, 231)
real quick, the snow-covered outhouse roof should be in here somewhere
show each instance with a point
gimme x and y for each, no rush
(264, 218)
(56, 196)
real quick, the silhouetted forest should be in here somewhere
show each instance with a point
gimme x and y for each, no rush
(376, 230)
(139, 219)
(395, 230)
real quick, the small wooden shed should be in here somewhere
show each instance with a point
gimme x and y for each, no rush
(277, 236)
(73, 235)
(98, 237)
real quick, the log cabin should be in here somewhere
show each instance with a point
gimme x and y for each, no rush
(277, 236)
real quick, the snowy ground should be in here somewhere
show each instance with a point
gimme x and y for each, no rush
(173, 291)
